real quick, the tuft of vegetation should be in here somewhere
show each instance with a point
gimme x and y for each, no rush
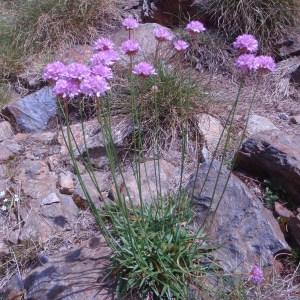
(267, 20)
(164, 106)
(158, 256)
(41, 25)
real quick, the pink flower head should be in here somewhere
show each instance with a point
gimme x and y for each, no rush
(130, 23)
(195, 27)
(256, 275)
(77, 71)
(144, 69)
(103, 44)
(102, 71)
(181, 45)
(94, 85)
(66, 88)
(106, 57)
(245, 62)
(54, 71)
(246, 43)
(130, 47)
(264, 63)
(162, 34)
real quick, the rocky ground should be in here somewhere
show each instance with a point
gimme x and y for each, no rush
(50, 246)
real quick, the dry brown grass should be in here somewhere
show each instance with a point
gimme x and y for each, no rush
(268, 20)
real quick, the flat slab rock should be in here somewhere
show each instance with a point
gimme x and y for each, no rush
(33, 112)
(276, 156)
(245, 230)
(74, 275)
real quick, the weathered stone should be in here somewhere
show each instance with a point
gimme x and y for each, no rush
(275, 156)
(6, 131)
(102, 180)
(211, 129)
(154, 179)
(50, 199)
(4, 249)
(33, 112)
(65, 182)
(243, 228)
(290, 46)
(76, 275)
(144, 36)
(258, 124)
(56, 213)
(94, 141)
(295, 119)
(9, 149)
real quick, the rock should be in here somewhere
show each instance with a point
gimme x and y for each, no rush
(295, 119)
(283, 211)
(9, 149)
(95, 142)
(76, 275)
(274, 156)
(243, 228)
(33, 112)
(294, 231)
(211, 129)
(295, 75)
(144, 36)
(50, 199)
(57, 213)
(290, 46)
(6, 131)
(283, 116)
(103, 184)
(66, 184)
(149, 171)
(258, 124)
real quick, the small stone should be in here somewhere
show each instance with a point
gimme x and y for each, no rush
(66, 184)
(295, 120)
(4, 250)
(6, 131)
(283, 116)
(258, 124)
(50, 199)
(283, 211)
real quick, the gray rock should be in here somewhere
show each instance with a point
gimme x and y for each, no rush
(211, 128)
(9, 149)
(244, 229)
(290, 45)
(33, 112)
(275, 156)
(144, 36)
(258, 124)
(6, 131)
(50, 199)
(94, 142)
(103, 184)
(76, 275)
(56, 214)
(168, 177)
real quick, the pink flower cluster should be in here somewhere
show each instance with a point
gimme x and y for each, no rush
(256, 275)
(78, 79)
(247, 61)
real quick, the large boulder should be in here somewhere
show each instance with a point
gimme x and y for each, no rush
(33, 112)
(275, 156)
(241, 228)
